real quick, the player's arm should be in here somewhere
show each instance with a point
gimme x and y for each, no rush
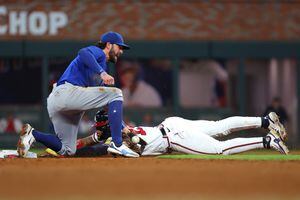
(125, 128)
(97, 137)
(129, 134)
(89, 60)
(89, 140)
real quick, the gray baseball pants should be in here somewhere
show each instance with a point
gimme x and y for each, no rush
(66, 105)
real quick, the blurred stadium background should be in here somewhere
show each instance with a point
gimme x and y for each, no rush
(195, 59)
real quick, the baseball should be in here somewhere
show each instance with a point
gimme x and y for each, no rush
(135, 139)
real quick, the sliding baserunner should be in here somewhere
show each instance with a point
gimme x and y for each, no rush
(198, 137)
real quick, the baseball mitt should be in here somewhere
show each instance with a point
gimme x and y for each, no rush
(129, 143)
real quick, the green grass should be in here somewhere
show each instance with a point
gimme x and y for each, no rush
(256, 155)
(38, 151)
(277, 157)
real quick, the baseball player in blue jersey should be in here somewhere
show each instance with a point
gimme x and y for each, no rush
(82, 87)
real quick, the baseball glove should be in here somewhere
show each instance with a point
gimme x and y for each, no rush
(103, 132)
(127, 140)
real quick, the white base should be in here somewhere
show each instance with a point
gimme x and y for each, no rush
(14, 153)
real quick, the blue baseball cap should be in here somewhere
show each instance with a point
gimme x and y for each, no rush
(114, 38)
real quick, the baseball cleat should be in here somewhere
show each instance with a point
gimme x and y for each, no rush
(275, 125)
(122, 150)
(273, 140)
(25, 141)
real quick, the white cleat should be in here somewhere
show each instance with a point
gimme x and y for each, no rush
(273, 140)
(25, 141)
(122, 150)
(276, 126)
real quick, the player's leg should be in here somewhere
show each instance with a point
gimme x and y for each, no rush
(28, 135)
(216, 128)
(193, 143)
(228, 125)
(236, 123)
(238, 145)
(271, 140)
(66, 128)
(224, 126)
(49, 140)
(25, 141)
(115, 118)
(64, 142)
(97, 97)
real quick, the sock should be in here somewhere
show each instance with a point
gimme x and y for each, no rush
(266, 142)
(265, 122)
(115, 113)
(49, 140)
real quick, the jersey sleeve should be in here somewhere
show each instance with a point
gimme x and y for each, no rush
(90, 60)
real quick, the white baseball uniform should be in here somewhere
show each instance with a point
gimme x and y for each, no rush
(197, 137)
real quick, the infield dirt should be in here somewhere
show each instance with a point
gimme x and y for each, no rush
(147, 178)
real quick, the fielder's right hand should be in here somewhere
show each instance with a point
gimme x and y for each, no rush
(107, 79)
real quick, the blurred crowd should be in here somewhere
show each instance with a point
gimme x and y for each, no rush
(148, 83)
(145, 83)
(10, 124)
